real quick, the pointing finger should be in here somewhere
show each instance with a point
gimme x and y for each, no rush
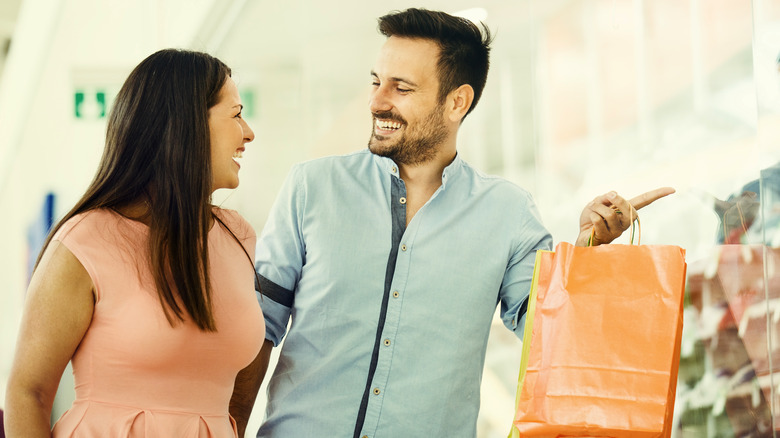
(648, 198)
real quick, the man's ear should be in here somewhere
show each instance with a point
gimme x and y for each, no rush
(459, 101)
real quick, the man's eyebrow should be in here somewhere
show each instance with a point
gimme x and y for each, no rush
(396, 79)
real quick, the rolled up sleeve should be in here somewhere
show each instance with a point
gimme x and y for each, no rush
(280, 257)
(516, 284)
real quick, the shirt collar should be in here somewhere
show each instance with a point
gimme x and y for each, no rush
(451, 170)
(386, 164)
(389, 166)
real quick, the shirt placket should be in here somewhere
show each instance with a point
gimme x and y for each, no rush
(393, 315)
(398, 288)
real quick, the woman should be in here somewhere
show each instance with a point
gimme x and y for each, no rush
(145, 285)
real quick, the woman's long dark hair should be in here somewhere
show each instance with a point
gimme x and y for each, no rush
(158, 151)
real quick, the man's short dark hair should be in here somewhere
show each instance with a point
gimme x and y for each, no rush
(464, 48)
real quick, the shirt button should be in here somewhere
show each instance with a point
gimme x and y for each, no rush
(376, 391)
(387, 342)
(394, 169)
(395, 294)
(402, 200)
(403, 247)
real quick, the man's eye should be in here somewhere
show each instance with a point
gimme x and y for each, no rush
(403, 90)
(238, 115)
(375, 84)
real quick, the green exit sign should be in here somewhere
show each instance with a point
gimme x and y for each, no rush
(93, 104)
(89, 104)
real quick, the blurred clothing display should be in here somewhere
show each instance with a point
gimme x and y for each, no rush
(734, 295)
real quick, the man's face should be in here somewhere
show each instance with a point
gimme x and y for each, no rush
(409, 124)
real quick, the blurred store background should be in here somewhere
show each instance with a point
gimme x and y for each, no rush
(583, 97)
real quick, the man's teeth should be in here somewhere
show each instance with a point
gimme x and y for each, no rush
(386, 125)
(238, 154)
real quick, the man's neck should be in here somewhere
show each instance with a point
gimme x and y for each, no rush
(422, 181)
(428, 174)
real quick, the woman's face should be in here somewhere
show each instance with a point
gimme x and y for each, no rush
(229, 135)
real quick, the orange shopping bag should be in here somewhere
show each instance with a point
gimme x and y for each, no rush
(601, 347)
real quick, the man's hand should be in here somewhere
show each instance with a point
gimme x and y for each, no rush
(609, 215)
(247, 384)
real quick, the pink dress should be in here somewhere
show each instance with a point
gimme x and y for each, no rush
(135, 375)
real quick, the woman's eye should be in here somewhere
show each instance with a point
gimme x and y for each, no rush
(403, 90)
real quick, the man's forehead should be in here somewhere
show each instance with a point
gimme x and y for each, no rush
(411, 45)
(410, 59)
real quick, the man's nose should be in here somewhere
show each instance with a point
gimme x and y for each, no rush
(379, 101)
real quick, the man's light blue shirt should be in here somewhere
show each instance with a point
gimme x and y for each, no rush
(389, 323)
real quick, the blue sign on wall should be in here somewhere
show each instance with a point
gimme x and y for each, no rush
(38, 230)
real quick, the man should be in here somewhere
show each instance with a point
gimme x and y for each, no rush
(391, 261)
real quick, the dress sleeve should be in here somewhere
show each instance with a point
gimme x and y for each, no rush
(281, 256)
(78, 235)
(515, 288)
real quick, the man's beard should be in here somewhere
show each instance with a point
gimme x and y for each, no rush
(417, 145)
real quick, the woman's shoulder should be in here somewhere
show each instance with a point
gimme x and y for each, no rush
(240, 227)
(86, 222)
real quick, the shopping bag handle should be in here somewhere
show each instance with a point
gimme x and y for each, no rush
(742, 222)
(635, 224)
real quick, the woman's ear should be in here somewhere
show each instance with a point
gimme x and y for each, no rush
(459, 101)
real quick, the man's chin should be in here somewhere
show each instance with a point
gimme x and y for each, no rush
(379, 149)
(375, 151)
